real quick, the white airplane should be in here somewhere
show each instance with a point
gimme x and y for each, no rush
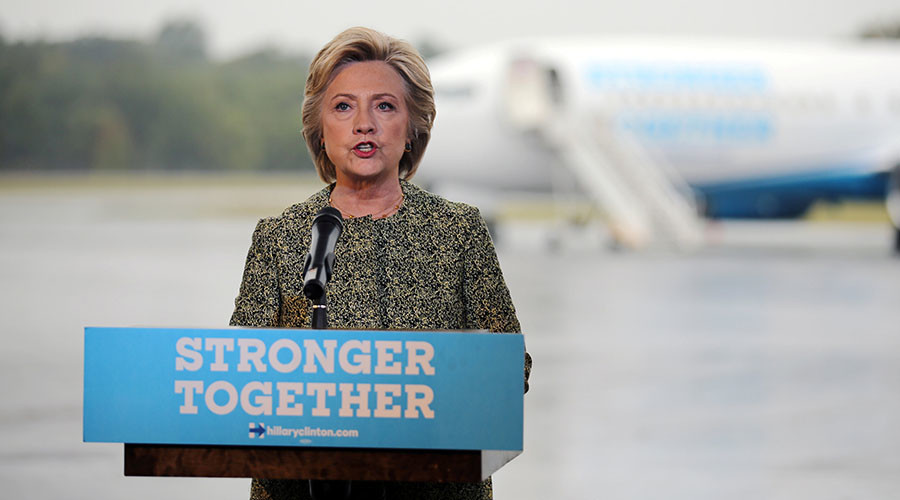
(653, 129)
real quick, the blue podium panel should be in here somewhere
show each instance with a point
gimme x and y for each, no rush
(321, 388)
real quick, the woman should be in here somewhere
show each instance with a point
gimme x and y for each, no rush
(406, 259)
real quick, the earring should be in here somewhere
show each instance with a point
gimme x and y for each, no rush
(408, 147)
(322, 146)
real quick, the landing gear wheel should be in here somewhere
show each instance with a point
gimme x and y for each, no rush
(893, 205)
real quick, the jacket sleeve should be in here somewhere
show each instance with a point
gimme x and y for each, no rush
(488, 302)
(258, 302)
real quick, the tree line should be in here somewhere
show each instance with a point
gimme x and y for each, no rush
(117, 104)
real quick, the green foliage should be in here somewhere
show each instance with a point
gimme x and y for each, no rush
(182, 40)
(100, 103)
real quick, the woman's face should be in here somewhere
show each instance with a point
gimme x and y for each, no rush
(365, 122)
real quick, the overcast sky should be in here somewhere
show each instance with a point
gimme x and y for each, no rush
(234, 27)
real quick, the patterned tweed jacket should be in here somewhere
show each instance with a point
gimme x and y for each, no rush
(430, 266)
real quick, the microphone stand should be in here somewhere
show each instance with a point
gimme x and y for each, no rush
(326, 228)
(325, 489)
(320, 313)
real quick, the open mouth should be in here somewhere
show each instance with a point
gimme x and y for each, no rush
(365, 147)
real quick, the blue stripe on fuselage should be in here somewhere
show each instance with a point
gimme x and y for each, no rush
(788, 196)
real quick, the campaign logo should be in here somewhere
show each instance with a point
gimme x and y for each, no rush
(259, 431)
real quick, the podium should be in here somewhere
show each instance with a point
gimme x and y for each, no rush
(359, 464)
(306, 404)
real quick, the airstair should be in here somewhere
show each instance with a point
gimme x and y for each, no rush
(643, 198)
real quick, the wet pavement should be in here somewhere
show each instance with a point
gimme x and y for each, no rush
(764, 366)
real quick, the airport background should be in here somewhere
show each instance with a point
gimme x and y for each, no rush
(139, 145)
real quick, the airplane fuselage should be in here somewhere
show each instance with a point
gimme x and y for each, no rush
(758, 130)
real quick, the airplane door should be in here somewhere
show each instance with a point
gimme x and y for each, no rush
(533, 92)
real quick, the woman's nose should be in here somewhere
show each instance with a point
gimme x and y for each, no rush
(364, 123)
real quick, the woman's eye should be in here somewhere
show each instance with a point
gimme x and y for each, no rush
(385, 106)
(342, 106)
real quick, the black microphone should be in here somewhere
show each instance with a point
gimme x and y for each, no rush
(326, 228)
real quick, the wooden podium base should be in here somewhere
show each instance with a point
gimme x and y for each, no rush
(360, 464)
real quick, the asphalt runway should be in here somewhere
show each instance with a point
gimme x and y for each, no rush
(766, 365)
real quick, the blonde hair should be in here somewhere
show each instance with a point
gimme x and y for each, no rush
(364, 44)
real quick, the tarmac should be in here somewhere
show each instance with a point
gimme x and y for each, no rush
(765, 365)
